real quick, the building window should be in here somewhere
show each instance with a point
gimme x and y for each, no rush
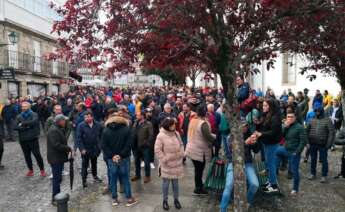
(55, 89)
(35, 90)
(13, 89)
(289, 69)
(37, 56)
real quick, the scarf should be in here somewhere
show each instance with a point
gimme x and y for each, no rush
(26, 114)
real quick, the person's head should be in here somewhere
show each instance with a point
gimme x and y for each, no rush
(169, 124)
(299, 95)
(108, 100)
(336, 103)
(152, 103)
(126, 97)
(201, 111)
(268, 106)
(69, 101)
(26, 106)
(178, 102)
(244, 127)
(60, 120)
(57, 109)
(140, 116)
(239, 80)
(167, 108)
(325, 92)
(291, 99)
(291, 116)
(148, 113)
(318, 92)
(88, 117)
(306, 91)
(185, 108)
(210, 108)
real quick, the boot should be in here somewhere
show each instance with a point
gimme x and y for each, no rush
(166, 205)
(147, 179)
(177, 204)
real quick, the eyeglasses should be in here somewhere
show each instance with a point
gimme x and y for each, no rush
(291, 117)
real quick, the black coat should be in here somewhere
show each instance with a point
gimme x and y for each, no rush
(28, 129)
(57, 148)
(271, 131)
(117, 138)
(89, 138)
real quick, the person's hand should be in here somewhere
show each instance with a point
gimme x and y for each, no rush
(83, 152)
(287, 123)
(258, 134)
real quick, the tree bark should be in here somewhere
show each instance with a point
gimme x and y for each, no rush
(343, 104)
(233, 116)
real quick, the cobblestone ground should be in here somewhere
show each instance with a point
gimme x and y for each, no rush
(22, 194)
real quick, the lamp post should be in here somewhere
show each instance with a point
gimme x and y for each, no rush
(13, 37)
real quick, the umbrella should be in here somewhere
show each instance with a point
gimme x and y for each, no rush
(71, 171)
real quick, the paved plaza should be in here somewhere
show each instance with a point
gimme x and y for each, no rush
(22, 194)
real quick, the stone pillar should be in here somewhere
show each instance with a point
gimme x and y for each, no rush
(23, 88)
(49, 88)
(3, 90)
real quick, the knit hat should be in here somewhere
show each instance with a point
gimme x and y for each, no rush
(60, 117)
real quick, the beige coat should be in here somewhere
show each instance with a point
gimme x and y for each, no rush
(198, 148)
(169, 150)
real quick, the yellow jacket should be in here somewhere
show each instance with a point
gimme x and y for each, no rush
(327, 101)
(1, 108)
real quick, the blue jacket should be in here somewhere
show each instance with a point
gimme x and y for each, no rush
(243, 92)
(89, 138)
(9, 113)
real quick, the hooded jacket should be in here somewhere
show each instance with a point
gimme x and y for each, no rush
(117, 138)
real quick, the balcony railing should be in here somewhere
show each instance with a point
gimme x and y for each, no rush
(31, 64)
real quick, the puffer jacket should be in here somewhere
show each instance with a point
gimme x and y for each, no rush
(116, 138)
(28, 128)
(169, 150)
(295, 137)
(321, 131)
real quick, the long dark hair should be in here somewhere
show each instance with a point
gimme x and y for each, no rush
(272, 110)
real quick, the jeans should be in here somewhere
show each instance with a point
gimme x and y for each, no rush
(120, 171)
(57, 177)
(166, 183)
(9, 129)
(145, 154)
(225, 142)
(252, 182)
(271, 162)
(294, 161)
(85, 164)
(33, 147)
(323, 158)
(198, 172)
(184, 140)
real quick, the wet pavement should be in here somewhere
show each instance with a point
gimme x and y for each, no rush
(22, 194)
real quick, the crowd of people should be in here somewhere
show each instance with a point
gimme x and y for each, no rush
(171, 125)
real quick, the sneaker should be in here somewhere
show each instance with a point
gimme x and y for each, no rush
(65, 173)
(152, 165)
(30, 173)
(131, 202)
(96, 179)
(115, 202)
(50, 176)
(311, 177)
(147, 179)
(43, 173)
(266, 184)
(135, 178)
(293, 193)
(271, 189)
(323, 180)
(106, 190)
(142, 165)
(54, 203)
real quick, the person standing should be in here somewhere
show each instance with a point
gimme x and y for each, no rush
(214, 119)
(169, 150)
(336, 114)
(183, 123)
(9, 115)
(200, 141)
(2, 167)
(270, 134)
(321, 135)
(89, 133)
(57, 151)
(28, 127)
(116, 146)
(295, 140)
(143, 143)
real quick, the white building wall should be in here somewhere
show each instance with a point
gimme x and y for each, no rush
(35, 15)
(274, 79)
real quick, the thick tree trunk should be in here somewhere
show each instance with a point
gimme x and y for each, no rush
(232, 113)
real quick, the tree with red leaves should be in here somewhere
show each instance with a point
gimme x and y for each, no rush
(319, 35)
(223, 36)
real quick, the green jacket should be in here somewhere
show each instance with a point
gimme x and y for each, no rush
(295, 137)
(50, 122)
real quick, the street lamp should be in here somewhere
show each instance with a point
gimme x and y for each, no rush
(13, 37)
